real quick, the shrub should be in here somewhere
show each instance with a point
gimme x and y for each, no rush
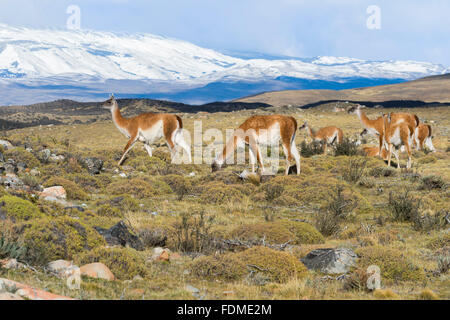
(310, 149)
(30, 181)
(137, 187)
(192, 233)
(11, 249)
(74, 192)
(439, 241)
(328, 219)
(304, 232)
(354, 169)
(219, 193)
(443, 263)
(18, 209)
(179, 185)
(427, 159)
(403, 207)
(227, 267)
(432, 182)
(124, 263)
(386, 294)
(367, 182)
(427, 294)
(272, 233)
(109, 211)
(346, 148)
(357, 280)
(382, 172)
(393, 263)
(429, 221)
(278, 266)
(57, 238)
(272, 190)
(21, 155)
(123, 202)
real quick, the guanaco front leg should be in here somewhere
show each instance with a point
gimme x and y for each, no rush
(128, 147)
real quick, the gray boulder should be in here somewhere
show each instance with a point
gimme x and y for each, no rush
(330, 261)
(120, 235)
(93, 165)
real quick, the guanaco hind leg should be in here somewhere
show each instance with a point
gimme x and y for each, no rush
(128, 147)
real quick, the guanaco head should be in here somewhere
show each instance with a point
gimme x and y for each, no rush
(304, 126)
(354, 109)
(108, 104)
(363, 133)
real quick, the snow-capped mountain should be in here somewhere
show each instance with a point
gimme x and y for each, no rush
(88, 63)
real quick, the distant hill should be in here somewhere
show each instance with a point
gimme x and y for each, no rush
(428, 90)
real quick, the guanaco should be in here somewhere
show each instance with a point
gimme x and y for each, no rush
(148, 128)
(396, 136)
(262, 130)
(327, 136)
(375, 127)
(423, 135)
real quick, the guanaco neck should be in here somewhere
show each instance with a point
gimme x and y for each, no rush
(311, 132)
(365, 121)
(120, 122)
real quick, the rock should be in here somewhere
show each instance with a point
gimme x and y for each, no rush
(44, 155)
(10, 168)
(12, 181)
(21, 166)
(6, 145)
(175, 257)
(164, 256)
(120, 235)
(78, 208)
(35, 172)
(97, 270)
(30, 293)
(59, 266)
(55, 158)
(10, 264)
(9, 296)
(57, 192)
(192, 174)
(93, 165)
(330, 261)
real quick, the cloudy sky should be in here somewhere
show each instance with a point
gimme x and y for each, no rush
(410, 29)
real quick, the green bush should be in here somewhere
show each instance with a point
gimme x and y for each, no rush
(304, 232)
(51, 239)
(271, 265)
(310, 149)
(432, 182)
(137, 187)
(383, 172)
(180, 185)
(124, 263)
(393, 263)
(18, 209)
(220, 193)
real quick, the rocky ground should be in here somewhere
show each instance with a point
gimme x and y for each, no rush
(73, 225)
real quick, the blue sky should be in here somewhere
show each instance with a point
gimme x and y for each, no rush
(410, 29)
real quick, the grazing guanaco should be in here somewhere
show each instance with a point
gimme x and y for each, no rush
(423, 136)
(327, 136)
(373, 151)
(148, 128)
(397, 135)
(262, 130)
(375, 127)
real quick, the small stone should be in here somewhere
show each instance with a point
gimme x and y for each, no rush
(122, 175)
(330, 261)
(35, 172)
(228, 293)
(93, 165)
(164, 256)
(192, 289)
(97, 270)
(59, 266)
